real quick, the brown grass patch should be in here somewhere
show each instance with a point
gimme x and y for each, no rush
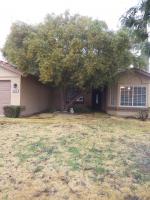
(62, 156)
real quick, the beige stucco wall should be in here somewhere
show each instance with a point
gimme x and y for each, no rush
(15, 79)
(128, 79)
(35, 97)
(112, 89)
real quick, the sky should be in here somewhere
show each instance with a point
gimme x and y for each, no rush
(34, 11)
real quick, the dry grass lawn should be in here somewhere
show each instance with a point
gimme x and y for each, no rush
(73, 157)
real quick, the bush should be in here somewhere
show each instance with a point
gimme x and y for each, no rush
(51, 110)
(143, 114)
(12, 111)
(81, 109)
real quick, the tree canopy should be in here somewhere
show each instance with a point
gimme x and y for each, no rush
(137, 19)
(68, 50)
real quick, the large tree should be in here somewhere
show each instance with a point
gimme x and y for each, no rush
(69, 50)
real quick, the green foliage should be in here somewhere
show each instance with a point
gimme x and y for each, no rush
(137, 21)
(12, 111)
(73, 163)
(68, 50)
(143, 114)
(17, 47)
(137, 18)
(23, 157)
(74, 150)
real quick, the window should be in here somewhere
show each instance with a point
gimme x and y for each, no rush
(80, 99)
(133, 96)
(126, 96)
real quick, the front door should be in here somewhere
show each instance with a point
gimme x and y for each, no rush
(96, 100)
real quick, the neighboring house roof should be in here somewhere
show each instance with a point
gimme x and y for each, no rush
(10, 67)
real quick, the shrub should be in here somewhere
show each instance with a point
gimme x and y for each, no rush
(51, 110)
(12, 111)
(143, 114)
(81, 109)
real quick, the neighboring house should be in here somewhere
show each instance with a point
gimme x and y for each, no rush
(20, 90)
(129, 94)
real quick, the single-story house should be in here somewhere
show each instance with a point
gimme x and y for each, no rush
(18, 89)
(129, 94)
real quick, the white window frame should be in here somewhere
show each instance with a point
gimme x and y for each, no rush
(121, 86)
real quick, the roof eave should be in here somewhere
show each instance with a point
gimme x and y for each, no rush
(142, 72)
(11, 68)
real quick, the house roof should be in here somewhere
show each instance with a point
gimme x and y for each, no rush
(142, 72)
(136, 70)
(13, 68)
(10, 67)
